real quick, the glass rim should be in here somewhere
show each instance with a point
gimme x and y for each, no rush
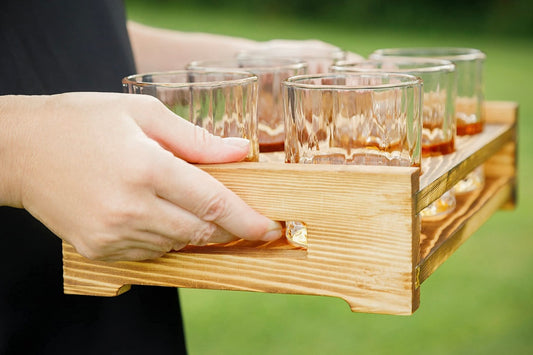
(246, 78)
(449, 53)
(279, 63)
(408, 81)
(427, 65)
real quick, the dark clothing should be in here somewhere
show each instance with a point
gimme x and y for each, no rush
(53, 46)
(47, 47)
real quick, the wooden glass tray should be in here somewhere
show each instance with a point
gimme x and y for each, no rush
(366, 243)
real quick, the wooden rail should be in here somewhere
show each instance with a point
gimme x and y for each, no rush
(366, 244)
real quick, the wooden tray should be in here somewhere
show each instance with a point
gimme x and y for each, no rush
(366, 243)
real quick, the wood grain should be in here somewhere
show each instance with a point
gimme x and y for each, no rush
(439, 174)
(439, 240)
(353, 252)
(364, 233)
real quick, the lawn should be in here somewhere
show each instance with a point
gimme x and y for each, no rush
(478, 302)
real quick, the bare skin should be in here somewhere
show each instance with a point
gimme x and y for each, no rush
(93, 169)
(158, 49)
(111, 173)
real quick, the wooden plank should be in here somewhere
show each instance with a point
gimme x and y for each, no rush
(364, 240)
(440, 240)
(353, 252)
(505, 162)
(439, 174)
(500, 112)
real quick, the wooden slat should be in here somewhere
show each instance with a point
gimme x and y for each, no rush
(442, 173)
(500, 112)
(353, 252)
(505, 162)
(440, 240)
(364, 239)
(439, 174)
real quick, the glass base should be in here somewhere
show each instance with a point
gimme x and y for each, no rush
(296, 233)
(440, 208)
(473, 181)
(272, 157)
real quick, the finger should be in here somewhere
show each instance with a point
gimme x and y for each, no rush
(185, 140)
(117, 247)
(133, 254)
(295, 44)
(196, 191)
(149, 242)
(104, 247)
(353, 57)
(181, 226)
(219, 236)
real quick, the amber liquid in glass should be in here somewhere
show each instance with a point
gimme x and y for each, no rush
(469, 129)
(271, 132)
(268, 147)
(438, 149)
(467, 116)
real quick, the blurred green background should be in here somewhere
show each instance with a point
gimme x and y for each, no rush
(481, 299)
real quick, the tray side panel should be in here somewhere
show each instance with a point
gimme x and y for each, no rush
(363, 240)
(505, 162)
(442, 173)
(500, 112)
(440, 240)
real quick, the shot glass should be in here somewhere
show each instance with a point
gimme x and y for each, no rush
(222, 102)
(270, 73)
(351, 118)
(469, 99)
(318, 56)
(438, 122)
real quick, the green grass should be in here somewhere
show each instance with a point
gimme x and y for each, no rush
(478, 302)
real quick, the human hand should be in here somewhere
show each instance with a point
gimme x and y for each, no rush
(295, 44)
(109, 174)
(311, 46)
(319, 55)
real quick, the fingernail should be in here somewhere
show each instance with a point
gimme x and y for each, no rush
(274, 232)
(237, 142)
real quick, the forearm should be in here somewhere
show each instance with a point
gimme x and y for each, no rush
(92, 168)
(14, 133)
(156, 49)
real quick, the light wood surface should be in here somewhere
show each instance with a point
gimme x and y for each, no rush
(366, 244)
(439, 174)
(353, 252)
(439, 240)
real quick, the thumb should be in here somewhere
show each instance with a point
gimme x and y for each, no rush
(189, 142)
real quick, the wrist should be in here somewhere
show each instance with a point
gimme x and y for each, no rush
(14, 135)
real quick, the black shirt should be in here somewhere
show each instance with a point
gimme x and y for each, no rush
(47, 47)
